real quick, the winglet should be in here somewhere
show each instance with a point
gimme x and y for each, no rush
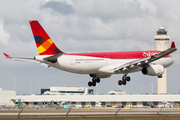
(7, 56)
(173, 45)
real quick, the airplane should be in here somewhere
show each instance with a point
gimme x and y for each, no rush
(101, 64)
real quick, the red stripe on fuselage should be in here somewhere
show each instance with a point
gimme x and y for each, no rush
(120, 55)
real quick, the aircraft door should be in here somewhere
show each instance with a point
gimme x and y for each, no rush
(73, 61)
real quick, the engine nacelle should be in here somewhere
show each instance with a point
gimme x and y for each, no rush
(153, 70)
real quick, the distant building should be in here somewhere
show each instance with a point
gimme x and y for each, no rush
(116, 92)
(81, 101)
(6, 96)
(67, 91)
(115, 98)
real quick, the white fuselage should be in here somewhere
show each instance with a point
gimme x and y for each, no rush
(95, 65)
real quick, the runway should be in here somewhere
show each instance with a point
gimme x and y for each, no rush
(58, 113)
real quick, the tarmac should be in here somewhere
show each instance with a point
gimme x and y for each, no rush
(136, 112)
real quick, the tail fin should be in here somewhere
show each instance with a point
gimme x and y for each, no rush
(44, 43)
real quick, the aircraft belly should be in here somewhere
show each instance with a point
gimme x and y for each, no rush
(70, 64)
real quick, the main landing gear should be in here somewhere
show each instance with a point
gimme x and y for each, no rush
(94, 80)
(124, 80)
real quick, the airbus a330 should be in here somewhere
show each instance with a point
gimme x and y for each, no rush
(101, 64)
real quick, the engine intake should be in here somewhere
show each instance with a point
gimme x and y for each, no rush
(153, 70)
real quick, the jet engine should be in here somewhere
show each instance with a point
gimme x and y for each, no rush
(153, 70)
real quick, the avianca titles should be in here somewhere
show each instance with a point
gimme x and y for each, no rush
(98, 65)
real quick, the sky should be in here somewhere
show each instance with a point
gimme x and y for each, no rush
(78, 26)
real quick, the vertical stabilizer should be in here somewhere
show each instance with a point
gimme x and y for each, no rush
(44, 43)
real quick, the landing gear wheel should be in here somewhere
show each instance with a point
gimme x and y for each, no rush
(94, 80)
(94, 83)
(97, 80)
(91, 75)
(120, 82)
(160, 76)
(124, 82)
(128, 78)
(89, 83)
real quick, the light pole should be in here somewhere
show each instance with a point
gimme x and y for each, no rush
(39, 89)
(4, 85)
(150, 87)
(15, 82)
(99, 90)
(31, 87)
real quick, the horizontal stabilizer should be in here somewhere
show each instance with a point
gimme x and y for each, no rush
(21, 58)
(7, 56)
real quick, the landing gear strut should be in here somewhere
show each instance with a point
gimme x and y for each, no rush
(124, 80)
(94, 80)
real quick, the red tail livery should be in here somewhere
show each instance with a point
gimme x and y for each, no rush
(44, 43)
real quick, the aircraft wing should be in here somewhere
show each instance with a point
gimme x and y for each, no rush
(145, 61)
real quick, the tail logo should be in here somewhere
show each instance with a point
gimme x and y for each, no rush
(42, 44)
(42, 48)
